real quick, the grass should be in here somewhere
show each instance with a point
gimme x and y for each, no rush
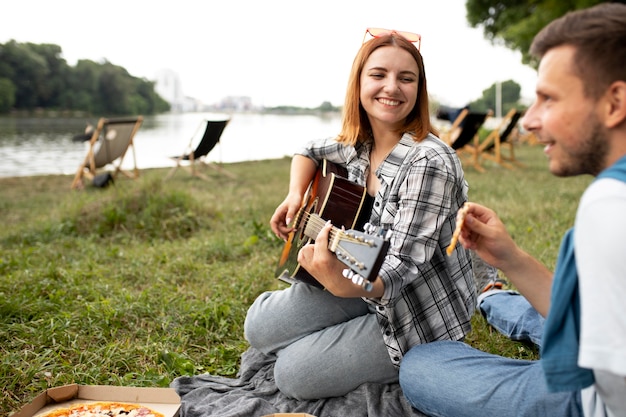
(148, 280)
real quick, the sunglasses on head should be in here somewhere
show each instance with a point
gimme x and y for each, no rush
(409, 36)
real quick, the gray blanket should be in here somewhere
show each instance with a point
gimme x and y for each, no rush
(254, 394)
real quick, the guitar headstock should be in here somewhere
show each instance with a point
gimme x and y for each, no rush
(361, 252)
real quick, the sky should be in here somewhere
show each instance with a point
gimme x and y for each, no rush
(278, 52)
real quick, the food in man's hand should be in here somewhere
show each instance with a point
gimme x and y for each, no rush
(460, 220)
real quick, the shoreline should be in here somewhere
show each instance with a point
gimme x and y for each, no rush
(164, 168)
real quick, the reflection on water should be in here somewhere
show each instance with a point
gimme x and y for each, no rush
(41, 146)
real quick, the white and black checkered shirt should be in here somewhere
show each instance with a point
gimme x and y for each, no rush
(428, 295)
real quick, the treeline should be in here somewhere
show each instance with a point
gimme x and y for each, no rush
(508, 98)
(510, 95)
(35, 76)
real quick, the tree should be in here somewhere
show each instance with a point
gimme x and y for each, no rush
(27, 70)
(56, 70)
(114, 90)
(326, 106)
(514, 23)
(510, 95)
(36, 76)
(82, 86)
(148, 99)
(7, 95)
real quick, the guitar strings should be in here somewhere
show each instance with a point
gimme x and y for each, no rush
(318, 223)
(341, 251)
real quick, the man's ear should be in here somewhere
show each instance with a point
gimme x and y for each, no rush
(616, 104)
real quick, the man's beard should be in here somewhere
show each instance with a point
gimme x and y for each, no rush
(589, 155)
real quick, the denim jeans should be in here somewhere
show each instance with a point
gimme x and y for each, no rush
(513, 316)
(449, 378)
(325, 346)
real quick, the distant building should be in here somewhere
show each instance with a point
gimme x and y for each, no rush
(235, 103)
(169, 87)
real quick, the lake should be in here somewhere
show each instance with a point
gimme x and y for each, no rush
(44, 146)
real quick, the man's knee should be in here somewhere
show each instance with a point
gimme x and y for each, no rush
(422, 377)
(420, 366)
(412, 368)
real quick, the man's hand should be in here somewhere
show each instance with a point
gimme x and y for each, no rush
(484, 233)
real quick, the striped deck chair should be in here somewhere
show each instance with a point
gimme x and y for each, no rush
(108, 145)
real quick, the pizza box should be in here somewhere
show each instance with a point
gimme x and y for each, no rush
(163, 400)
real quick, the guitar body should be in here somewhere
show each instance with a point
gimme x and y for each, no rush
(332, 197)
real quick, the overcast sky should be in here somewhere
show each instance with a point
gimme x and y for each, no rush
(278, 52)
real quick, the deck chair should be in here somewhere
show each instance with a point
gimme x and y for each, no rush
(502, 136)
(108, 145)
(528, 138)
(451, 134)
(213, 130)
(463, 135)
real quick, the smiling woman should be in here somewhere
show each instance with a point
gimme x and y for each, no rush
(389, 91)
(386, 145)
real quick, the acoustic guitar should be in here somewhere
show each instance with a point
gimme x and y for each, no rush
(331, 196)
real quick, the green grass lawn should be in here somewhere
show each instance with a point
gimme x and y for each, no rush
(148, 280)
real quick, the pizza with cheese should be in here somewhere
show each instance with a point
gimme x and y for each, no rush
(103, 409)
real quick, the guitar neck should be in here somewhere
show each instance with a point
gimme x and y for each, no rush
(314, 226)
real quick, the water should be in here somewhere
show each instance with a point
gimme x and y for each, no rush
(44, 146)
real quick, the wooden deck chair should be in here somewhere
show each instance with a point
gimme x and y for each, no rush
(465, 129)
(502, 136)
(451, 134)
(108, 146)
(463, 135)
(190, 157)
(528, 138)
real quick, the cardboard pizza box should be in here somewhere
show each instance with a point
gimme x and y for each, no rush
(163, 400)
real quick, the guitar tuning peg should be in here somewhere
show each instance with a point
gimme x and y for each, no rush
(347, 273)
(365, 284)
(357, 279)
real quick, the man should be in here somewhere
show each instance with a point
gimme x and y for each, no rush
(580, 117)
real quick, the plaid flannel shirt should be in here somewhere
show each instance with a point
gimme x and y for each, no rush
(428, 295)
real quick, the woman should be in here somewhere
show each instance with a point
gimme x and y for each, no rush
(327, 343)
